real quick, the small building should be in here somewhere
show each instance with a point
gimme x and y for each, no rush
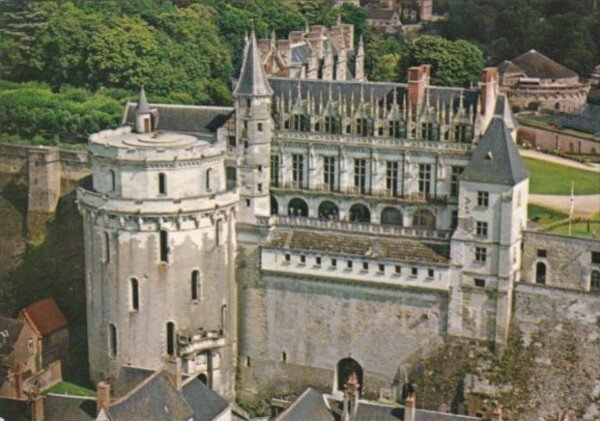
(386, 20)
(20, 356)
(533, 81)
(48, 321)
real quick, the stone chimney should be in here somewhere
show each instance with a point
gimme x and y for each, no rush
(348, 35)
(341, 68)
(284, 49)
(176, 371)
(102, 396)
(410, 408)
(489, 89)
(497, 413)
(360, 61)
(315, 40)
(418, 80)
(296, 36)
(328, 64)
(37, 406)
(264, 46)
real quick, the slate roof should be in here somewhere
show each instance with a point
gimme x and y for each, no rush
(503, 110)
(45, 316)
(128, 379)
(13, 410)
(405, 250)
(496, 159)
(56, 408)
(315, 406)
(379, 14)
(508, 66)
(253, 80)
(155, 400)
(183, 118)
(301, 53)
(380, 91)
(14, 328)
(310, 405)
(205, 403)
(535, 64)
(142, 105)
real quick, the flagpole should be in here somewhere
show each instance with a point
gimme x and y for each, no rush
(571, 208)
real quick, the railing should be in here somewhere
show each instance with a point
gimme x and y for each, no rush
(356, 191)
(288, 136)
(355, 227)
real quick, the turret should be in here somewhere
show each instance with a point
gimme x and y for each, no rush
(360, 61)
(252, 96)
(146, 119)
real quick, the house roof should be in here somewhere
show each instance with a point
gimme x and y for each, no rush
(45, 316)
(379, 14)
(508, 66)
(11, 329)
(56, 408)
(310, 405)
(537, 65)
(129, 378)
(496, 159)
(405, 250)
(253, 80)
(205, 403)
(183, 118)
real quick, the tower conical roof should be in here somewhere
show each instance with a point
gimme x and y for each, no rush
(253, 80)
(496, 159)
(142, 105)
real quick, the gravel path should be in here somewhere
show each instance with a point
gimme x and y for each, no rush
(584, 206)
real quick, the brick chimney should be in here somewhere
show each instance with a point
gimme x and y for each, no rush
(102, 396)
(489, 89)
(418, 80)
(284, 49)
(497, 413)
(175, 369)
(410, 408)
(264, 46)
(296, 36)
(316, 43)
(37, 406)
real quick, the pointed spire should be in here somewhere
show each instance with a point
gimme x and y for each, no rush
(142, 105)
(253, 80)
(361, 46)
(339, 19)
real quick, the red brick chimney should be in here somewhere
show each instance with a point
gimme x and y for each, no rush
(489, 89)
(410, 407)
(418, 80)
(102, 396)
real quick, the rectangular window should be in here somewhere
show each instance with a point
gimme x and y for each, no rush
(288, 257)
(259, 127)
(329, 171)
(456, 171)
(481, 229)
(318, 261)
(398, 270)
(391, 177)
(219, 232)
(334, 262)
(480, 254)
(162, 183)
(349, 264)
(460, 133)
(596, 257)
(454, 220)
(360, 174)
(361, 126)
(381, 268)
(430, 273)
(329, 125)
(247, 203)
(424, 178)
(164, 246)
(483, 199)
(298, 170)
(414, 272)
(365, 265)
(275, 170)
(479, 282)
(302, 259)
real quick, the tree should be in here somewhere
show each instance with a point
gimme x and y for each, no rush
(453, 63)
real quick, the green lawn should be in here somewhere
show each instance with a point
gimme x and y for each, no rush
(550, 178)
(541, 121)
(579, 229)
(68, 388)
(544, 215)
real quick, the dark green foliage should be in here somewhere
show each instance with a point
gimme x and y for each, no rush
(566, 31)
(453, 63)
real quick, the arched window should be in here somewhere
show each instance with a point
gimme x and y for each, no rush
(112, 339)
(540, 273)
(329, 210)
(135, 294)
(106, 247)
(274, 206)
(113, 181)
(162, 183)
(231, 177)
(424, 219)
(171, 338)
(595, 281)
(196, 286)
(297, 207)
(208, 176)
(347, 368)
(202, 377)
(164, 246)
(360, 213)
(391, 216)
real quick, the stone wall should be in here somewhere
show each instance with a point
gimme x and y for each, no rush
(545, 139)
(567, 260)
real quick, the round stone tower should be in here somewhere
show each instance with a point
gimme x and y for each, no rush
(159, 234)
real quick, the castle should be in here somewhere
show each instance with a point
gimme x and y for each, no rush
(319, 225)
